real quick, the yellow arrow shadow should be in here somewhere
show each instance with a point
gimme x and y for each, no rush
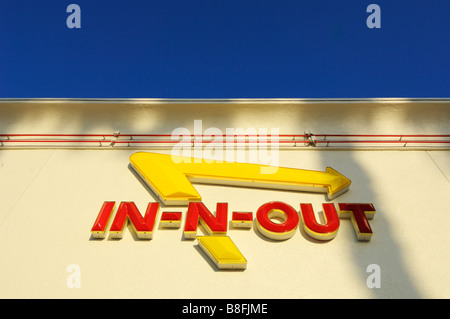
(170, 177)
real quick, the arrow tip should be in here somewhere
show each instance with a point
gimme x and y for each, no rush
(339, 185)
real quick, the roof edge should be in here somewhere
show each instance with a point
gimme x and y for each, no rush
(223, 100)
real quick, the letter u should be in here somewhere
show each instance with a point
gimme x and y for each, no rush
(318, 231)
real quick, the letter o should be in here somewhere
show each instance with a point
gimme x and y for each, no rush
(268, 228)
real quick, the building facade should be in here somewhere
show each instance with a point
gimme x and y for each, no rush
(62, 159)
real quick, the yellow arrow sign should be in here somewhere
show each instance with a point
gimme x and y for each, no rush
(170, 177)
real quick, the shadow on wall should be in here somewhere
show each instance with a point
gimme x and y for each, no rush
(140, 117)
(103, 117)
(385, 251)
(163, 116)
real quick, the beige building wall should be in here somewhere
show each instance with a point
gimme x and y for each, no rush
(50, 198)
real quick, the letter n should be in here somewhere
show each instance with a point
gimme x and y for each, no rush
(214, 225)
(143, 226)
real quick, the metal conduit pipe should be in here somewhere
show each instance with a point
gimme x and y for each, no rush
(283, 140)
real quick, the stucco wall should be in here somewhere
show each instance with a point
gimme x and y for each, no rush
(51, 197)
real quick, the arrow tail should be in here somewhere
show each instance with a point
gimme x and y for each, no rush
(171, 186)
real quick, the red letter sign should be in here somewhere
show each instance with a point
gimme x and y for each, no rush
(142, 225)
(359, 213)
(213, 224)
(99, 228)
(273, 230)
(313, 228)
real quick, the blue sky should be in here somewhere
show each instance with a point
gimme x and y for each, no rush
(224, 49)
